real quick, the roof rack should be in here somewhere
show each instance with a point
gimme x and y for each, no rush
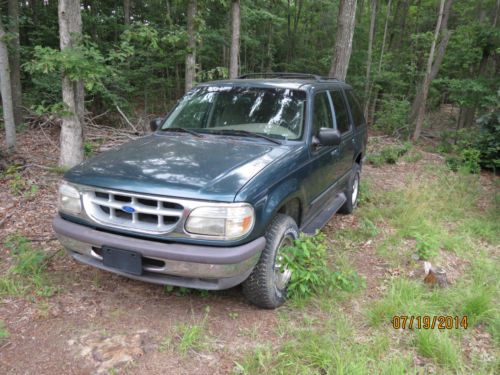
(287, 75)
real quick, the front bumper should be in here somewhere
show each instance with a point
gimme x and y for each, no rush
(192, 266)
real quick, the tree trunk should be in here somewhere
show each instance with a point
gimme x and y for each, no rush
(126, 12)
(70, 31)
(235, 39)
(369, 57)
(343, 39)
(432, 66)
(191, 47)
(15, 61)
(6, 91)
(398, 32)
(436, 64)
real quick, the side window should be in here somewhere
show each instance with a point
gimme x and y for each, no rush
(340, 111)
(322, 117)
(356, 111)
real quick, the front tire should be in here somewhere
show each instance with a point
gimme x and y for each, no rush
(352, 191)
(266, 285)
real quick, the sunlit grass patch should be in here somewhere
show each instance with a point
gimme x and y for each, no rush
(187, 337)
(28, 271)
(328, 347)
(438, 345)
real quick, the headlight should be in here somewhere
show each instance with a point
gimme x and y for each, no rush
(226, 222)
(69, 199)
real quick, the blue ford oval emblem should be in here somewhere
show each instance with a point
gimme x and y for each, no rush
(128, 209)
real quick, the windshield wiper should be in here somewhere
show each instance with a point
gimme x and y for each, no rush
(183, 130)
(245, 133)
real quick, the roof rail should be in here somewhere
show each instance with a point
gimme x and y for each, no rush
(280, 75)
(287, 75)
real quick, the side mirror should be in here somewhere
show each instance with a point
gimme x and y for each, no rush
(156, 123)
(329, 137)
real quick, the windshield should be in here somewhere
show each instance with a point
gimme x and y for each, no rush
(276, 113)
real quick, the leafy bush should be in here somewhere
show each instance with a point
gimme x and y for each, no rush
(389, 154)
(467, 161)
(393, 116)
(488, 141)
(427, 247)
(308, 261)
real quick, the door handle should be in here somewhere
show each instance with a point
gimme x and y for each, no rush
(353, 140)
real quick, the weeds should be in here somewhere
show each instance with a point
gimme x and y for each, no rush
(4, 333)
(389, 154)
(28, 270)
(18, 185)
(187, 337)
(307, 259)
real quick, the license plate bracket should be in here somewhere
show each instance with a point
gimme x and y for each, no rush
(123, 260)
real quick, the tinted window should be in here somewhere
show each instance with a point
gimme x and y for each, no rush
(340, 111)
(322, 112)
(356, 111)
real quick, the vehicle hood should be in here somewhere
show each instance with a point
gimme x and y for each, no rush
(179, 165)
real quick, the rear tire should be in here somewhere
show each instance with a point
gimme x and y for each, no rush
(352, 191)
(266, 285)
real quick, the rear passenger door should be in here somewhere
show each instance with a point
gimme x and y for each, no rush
(344, 126)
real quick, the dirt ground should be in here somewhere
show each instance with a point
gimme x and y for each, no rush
(98, 322)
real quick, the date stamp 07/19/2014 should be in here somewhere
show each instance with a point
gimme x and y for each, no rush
(429, 322)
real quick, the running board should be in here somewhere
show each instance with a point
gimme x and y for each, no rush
(320, 220)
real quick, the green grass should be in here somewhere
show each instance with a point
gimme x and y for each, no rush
(439, 346)
(330, 348)
(27, 273)
(430, 214)
(4, 334)
(188, 337)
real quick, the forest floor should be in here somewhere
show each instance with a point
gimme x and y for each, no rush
(61, 317)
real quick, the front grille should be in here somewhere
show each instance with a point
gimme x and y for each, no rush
(129, 210)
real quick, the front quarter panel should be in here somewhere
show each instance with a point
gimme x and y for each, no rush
(275, 185)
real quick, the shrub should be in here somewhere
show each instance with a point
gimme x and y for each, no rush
(393, 116)
(389, 154)
(468, 160)
(307, 259)
(488, 141)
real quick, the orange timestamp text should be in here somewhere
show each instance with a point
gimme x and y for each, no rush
(429, 322)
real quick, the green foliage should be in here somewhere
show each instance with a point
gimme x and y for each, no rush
(467, 161)
(393, 116)
(189, 336)
(4, 334)
(438, 345)
(488, 140)
(28, 270)
(388, 155)
(427, 246)
(307, 259)
(18, 185)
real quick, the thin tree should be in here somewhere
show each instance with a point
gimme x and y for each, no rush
(70, 31)
(433, 64)
(191, 47)
(6, 91)
(15, 60)
(369, 57)
(126, 12)
(235, 39)
(343, 39)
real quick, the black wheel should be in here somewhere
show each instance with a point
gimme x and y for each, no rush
(352, 191)
(266, 285)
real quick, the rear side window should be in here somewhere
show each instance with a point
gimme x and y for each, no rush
(322, 117)
(357, 113)
(341, 114)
